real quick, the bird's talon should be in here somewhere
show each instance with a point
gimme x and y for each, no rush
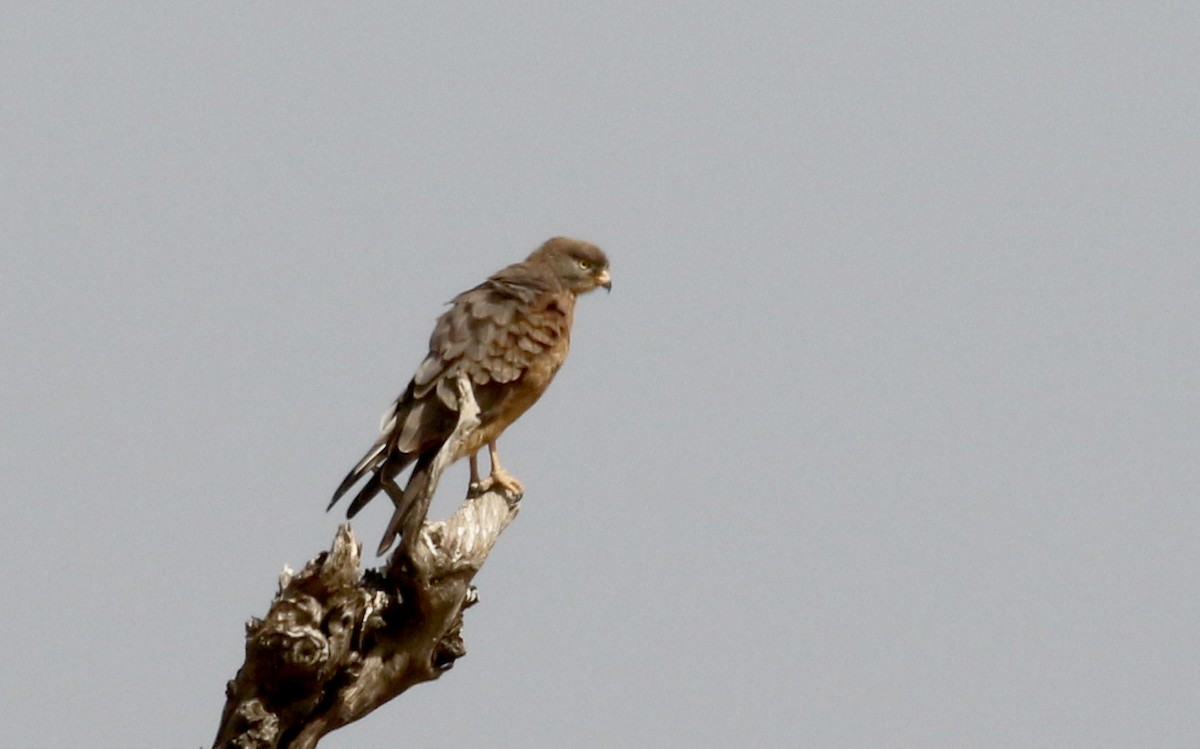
(503, 482)
(509, 484)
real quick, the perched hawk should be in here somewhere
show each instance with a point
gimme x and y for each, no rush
(509, 334)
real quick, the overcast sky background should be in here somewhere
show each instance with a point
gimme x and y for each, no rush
(887, 435)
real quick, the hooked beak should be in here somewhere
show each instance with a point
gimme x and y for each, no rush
(604, 280)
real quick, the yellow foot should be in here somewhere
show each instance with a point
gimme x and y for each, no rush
(501, 480)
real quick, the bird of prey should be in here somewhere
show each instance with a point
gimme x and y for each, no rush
(509, 335)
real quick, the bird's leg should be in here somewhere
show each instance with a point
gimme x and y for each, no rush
(501, 477)
(476, 487)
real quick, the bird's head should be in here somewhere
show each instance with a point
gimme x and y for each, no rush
(580, 266)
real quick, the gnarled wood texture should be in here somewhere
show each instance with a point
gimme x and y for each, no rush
(339, 642)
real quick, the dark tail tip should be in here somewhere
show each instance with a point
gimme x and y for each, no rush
(384, 544)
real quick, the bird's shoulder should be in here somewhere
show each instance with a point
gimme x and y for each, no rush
(495, 330)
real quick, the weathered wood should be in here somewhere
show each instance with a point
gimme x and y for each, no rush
(339, 642)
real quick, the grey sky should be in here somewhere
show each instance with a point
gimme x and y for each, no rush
(886, 437)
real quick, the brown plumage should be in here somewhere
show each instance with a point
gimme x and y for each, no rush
(510, 334)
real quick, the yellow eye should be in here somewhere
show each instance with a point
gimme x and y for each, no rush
(584, 265)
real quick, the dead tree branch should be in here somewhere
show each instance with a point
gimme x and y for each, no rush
(339, 642)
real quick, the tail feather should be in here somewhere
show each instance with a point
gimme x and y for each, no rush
(411, 509)
(387, 470)
(373, 486)
(380, 465)
(368, 462)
